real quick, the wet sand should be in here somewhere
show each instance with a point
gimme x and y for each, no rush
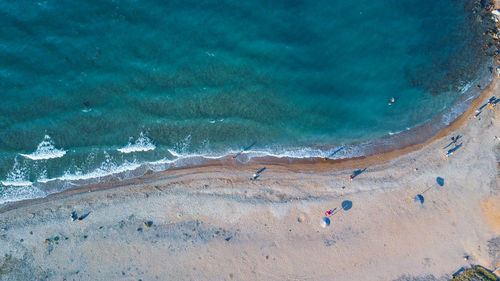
(214, 223)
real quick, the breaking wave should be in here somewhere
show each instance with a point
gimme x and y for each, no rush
(45, 150)
(143, 143)
(17, 176)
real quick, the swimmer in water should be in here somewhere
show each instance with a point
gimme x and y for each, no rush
(392, 101)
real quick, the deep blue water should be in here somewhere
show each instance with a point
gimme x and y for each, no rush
(95, 87)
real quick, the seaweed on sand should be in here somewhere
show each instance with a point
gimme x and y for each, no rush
(476, 273)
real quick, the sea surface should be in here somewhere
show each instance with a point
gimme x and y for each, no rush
(98, 90)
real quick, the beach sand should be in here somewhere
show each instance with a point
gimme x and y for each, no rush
(214, 223)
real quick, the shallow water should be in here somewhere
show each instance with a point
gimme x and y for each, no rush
(91, 89)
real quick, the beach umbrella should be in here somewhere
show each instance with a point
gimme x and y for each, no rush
(419, 199)
(440, 181)
(347, 205)
(325, 222)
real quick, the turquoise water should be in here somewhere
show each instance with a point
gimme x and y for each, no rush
(96, 88)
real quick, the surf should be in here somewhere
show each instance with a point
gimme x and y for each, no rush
(143, 143)
(45, 150)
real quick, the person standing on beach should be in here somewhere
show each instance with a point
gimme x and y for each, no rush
(329, 212)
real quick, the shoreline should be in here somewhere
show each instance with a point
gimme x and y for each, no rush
(293, 164)
(383, 148)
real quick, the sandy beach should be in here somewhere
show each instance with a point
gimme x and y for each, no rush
(215, 223)
(250, 141)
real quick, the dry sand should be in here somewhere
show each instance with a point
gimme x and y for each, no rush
(214, 223)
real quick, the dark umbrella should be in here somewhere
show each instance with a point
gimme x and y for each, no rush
(440, 181)
(325, 222)
(419, 199)
(347, 205)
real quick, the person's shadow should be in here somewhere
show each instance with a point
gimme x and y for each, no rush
(454, 140)
(457, 146)
(357, 173)
(335, 152)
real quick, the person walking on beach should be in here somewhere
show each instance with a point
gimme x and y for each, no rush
(453, 141)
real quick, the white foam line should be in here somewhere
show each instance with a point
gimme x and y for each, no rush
(104, 171)
(109, 168)
(395, 133)
(466, 87)
(45, 180)
(54, 154)
(16, 183)
(193, 155)
(99, 172)
(162, 161)
(136, 148)
(297, 153)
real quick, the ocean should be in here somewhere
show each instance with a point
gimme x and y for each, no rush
(99, 90)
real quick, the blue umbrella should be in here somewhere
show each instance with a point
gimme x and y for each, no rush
(440, 181)
(325, 221)
(419, 199)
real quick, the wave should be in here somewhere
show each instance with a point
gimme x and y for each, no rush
(399, 132)
(179, 155)
(107, 168)
(466, 87)
(45, 150)
(16, 183)
(143, 143)
(340, 152)
(16, 187)
(16, 176)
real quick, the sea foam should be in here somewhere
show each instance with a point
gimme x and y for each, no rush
(108, 167)
(143, 143)
(16, 176)
(20, 193)
(45, 150)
